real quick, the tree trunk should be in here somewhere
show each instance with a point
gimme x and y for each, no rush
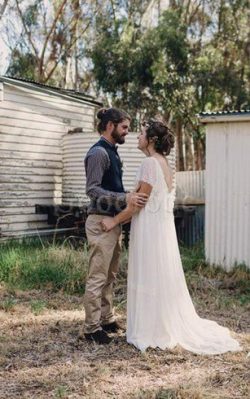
(199, 149)
(189, 152)
(179, 146)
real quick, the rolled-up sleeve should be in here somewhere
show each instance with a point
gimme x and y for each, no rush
(96, 163)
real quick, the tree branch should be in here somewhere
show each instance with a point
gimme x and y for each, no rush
(66, 50)
(3, 8)
(53, 26)
(113, 10)
(26, 29)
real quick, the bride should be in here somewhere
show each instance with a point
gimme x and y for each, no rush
(160, 312)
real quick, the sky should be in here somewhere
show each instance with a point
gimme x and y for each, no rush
(4, 54)
(4, 50)
(9, 22)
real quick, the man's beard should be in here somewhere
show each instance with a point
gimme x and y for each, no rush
(116, 136)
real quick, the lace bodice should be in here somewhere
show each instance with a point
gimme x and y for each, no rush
(161, 198)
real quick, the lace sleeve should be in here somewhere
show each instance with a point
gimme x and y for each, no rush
(147, 172)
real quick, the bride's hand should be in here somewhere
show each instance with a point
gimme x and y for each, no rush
(136, 199)
(108, 223)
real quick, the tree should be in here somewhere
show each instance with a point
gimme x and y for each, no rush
(3, 8)
(49, 35)
(194, 60)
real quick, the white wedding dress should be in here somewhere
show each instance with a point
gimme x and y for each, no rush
(160, 312)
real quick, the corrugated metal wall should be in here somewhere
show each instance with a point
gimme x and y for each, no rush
(75, 147)
(190, 206)
(190, 187)
(227, 220)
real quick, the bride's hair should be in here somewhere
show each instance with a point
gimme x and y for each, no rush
(162, 136)
(114, 115)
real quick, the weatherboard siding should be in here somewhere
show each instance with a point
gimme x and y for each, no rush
(32, 125)
(41, 163)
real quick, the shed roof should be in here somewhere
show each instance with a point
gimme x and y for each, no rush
(225, 116)
(72, 95)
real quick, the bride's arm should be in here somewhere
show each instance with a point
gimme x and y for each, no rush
(136, 190)
(109, 223)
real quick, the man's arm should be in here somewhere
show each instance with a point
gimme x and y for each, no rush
(144, 191)
(96, 163)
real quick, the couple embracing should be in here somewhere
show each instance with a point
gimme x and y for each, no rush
(160, 312)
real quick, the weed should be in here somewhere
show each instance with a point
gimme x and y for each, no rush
(37, 306)
(61, 391)
(8, 304)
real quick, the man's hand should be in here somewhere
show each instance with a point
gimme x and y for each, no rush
(137, 199)
(108, 223)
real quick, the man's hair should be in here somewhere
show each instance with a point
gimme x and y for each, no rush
(110, 115)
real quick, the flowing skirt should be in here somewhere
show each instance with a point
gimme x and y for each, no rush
(160, 312)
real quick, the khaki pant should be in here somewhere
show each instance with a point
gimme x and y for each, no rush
(104, 253)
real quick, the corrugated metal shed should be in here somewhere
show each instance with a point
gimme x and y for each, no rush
(227, 217)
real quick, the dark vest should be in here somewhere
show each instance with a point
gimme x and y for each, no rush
(112, 178)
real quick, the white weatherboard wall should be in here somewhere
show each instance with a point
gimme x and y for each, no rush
(227, 220)
(32, 123)
(75, 147)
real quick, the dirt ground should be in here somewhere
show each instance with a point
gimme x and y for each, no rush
(43, 355)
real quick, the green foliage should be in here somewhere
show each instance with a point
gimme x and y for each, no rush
(52, 266)
(31, 14)
(29, 265)
(37, 306)
(196, 59)
(8, 304)
(193, 258)
(142, 69)
(61, 391)
(22, 65)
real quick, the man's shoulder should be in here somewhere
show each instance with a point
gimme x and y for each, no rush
(97, 155)
(98, 151)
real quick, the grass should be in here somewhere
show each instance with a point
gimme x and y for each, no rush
(38, 306)
(8, 304)
(32, 264)
(61, 392)
(225, 288)
(43, 353)
(36, 264)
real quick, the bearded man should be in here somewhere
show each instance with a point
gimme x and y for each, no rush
(105, 189)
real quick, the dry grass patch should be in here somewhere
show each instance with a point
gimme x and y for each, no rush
(43, 353)
(46, 356)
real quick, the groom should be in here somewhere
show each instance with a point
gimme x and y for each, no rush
(105, 189)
